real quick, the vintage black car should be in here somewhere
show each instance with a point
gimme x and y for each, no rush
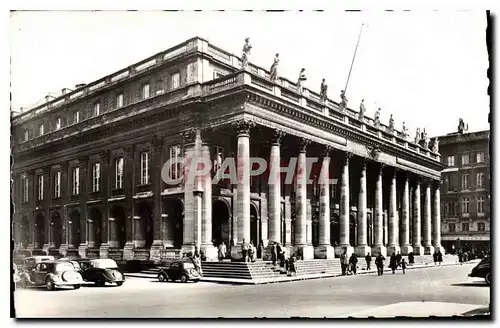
(52, 274)
(483, 270)
(183, 271)
(101, 271)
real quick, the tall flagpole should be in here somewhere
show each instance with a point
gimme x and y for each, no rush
(353, 58)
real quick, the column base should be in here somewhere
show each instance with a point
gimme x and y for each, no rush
(82, 251)
(340, 249)
(406, 249)
(139, 243)
(428, 250)
(128, 251)
(324, 252)
(418, 250)
(155, 251)
(63, 249)
(362, 250)
(393, 249)
(104, 251)
(306, 252)
(379, 249)
(210, 252)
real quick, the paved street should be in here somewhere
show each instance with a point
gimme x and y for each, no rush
(364, 295)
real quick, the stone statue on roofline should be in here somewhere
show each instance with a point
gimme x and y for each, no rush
(435, 146)
(246, 51)
(391, 124)
(300, 81)
(273, 75)
(461, 125)
(362, 110)
(323, 91)
(426, 139)
(343, 100)
(404, 131)
(376, 119)
(417, 136)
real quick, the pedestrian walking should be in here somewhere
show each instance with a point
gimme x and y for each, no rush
(274, 254)
(403, 265)
(291, 264)
(251, 252)
(460, 258)
(411, 258)
(222, 251)
(435, 257)
(379, 262)
(393, 263)
(244, 250)
(353, 262)
(368, 259)
(260, 250)
(196, 259)
(344, 262)
(439, 257)
(398, 259)
(281, 254)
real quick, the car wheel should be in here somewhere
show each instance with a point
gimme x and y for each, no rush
(24, 282)
(184, 278)
(488, 278)
(162, 277)
(49, 284)
(76, 286)
(119, 283)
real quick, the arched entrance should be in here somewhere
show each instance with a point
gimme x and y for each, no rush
(24, 231)
(117, 232)
(352, 230)
(145, 212)
(220, 222)
(173, 231)
(94, 228)
(254, 225)
(74, 228)
(315, 229)
(39, 230)
(334, 230)
(56, 231)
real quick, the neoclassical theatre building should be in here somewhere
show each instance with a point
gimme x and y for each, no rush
(87, 167)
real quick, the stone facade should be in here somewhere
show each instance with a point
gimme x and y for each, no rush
(101, 175)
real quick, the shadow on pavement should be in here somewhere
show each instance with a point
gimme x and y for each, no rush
(471, 284)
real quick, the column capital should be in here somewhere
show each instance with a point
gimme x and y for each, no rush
(277, 136)
(347, 157)
(327, 150)
(189, 135)
(243, 126)
(303, 143)
(373, 152)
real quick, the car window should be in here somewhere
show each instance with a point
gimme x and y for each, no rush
(42, 267)
(188, 265)
(174, 265)
(64, 266)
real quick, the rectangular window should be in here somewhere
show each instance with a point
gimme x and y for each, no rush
(119, 173)
(451, 227)
(119, 100)
(26, 135)
(465, 227)
(96, 176)
(465, 181)
(97, 109)
(57, 184)
(480, 204)
(451, 160)
(144, 168)
(481, 226)
(480, 179)
(75, 181)
(25, 189)
(58, 123)
(76, 117)
(176, 79)
(465, 205)
(465, 159)
(480, 157)
(40, 130)
(40, 187)
(217, 75)
(145, 91)
(175, 171)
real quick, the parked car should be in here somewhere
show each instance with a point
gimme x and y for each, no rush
(52, 274)
(101, 271)
(183, 271)
(32, 261)
(482, 270)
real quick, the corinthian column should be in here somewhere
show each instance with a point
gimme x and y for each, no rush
(362, 249)
(344, 210)
(274, 203)
(428, 249)
(417, 246)
(207, 247)
(301, 246)
(378, 224)
(436, 230)
(324, 250)
(242, 128)
(405, 224)
(393, 246)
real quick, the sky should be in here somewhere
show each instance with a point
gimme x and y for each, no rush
(427, 68)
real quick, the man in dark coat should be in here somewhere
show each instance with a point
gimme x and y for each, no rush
(439, 257)
(344, 262)
(379, 262)
(398, 258)
(368, 259)
(353, 262)
(411, 258)
(393, 263)
(435, 257)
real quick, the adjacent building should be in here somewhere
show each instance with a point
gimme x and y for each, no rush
(87, 172)
(465, 192)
